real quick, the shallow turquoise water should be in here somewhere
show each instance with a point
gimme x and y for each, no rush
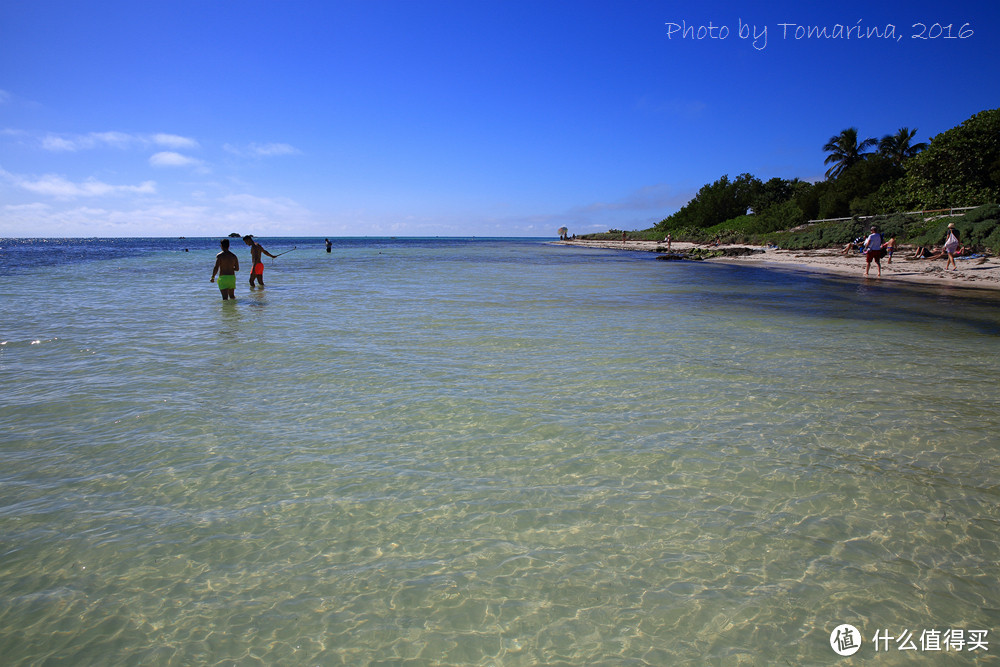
(492, 452)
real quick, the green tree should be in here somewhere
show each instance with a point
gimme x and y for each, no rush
(961, 167)
(850, 193)
(771, 193)
(845, 151)
(900, 147)
(714, 203)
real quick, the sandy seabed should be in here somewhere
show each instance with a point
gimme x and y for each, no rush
(981, 272)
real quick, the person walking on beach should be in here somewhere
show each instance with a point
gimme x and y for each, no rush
(951, 245)
(257, 272)
(873, 251)
(226, 265)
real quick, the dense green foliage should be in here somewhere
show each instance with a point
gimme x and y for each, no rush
(744, 204)
(959, 168)
(714, 203)
(850, 194)
(978, 229)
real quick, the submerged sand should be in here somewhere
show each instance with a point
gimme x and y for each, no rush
(977, 272)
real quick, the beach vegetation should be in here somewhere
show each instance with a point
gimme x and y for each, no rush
(851, 193)
(716, 202)
(744, 204)
(774, 218)
(900, 147)
(958, 168)
(979, 230)
(846, 150)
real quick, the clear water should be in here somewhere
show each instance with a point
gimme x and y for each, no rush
(489, 452)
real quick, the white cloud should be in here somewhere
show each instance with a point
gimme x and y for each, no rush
(26, 209)
(262, 205)
(174, 141)
(268, 150)
(44, 220)
(262, 150)
(54, 143)
(172, 159)
(53, 185)
(112, 139)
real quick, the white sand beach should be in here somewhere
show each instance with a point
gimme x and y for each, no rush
(977, 272)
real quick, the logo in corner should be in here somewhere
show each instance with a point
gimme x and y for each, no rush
(845, 640)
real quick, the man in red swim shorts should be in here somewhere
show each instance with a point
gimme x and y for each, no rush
(257, 272)
(873, 250)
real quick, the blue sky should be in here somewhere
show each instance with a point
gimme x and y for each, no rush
(430, 117)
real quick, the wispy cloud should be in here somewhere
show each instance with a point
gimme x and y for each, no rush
(651, 198)
(262, 205)
(172, 159)
(4, 96)
(262, 150)
(117, 140)
(166, 219)
(53, 185)
(56, 142)
(637, 209)
(174, 141)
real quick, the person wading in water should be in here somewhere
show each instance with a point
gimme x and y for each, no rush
(257, 272)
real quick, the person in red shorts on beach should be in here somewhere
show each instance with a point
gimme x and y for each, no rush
(873, 250)
(257, 272)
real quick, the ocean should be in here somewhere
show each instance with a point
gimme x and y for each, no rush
(489, 452)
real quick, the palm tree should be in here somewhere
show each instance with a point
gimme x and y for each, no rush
(897, 147)
(844, 151)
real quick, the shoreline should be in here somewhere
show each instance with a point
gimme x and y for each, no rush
(976, 273)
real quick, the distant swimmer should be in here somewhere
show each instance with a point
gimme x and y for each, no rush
(328, 245)
(226, 265)
(257, 272)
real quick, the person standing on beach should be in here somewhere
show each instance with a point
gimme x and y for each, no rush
(873, 251)
(226, 265)
(257, 272)
(889, 248)
(951, 245)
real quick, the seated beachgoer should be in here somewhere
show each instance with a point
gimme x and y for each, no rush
(857, 245)
(942, 253)
(924, 252)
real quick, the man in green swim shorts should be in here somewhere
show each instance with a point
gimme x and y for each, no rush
(226, 265)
